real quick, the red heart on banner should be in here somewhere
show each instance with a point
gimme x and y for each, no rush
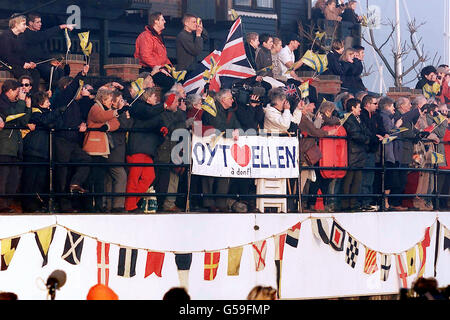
(241, 154)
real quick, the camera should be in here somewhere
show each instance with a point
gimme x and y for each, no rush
(242, 93)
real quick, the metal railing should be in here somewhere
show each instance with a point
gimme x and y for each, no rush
(51, 165)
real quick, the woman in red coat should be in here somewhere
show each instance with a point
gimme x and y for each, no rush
(102, 118)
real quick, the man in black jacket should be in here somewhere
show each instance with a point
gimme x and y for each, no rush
(368, 117)
(68, 142)
(15, 111)
(189, 42)
(14, 53)
(35, 40)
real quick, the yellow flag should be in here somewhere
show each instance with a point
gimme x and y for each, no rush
(234, 14)
(319, 35)
(234, 261)
(388, 139)
(177, 75)
(346, 115)
(44, 238)
(14, 117)
(437, 158)
(138, 85)
(411, 260)
(209, 74)
(84, 39)
(439, 119)
(9, 247)
(304, 89)
(209, 106)
(317, 62)
(430, 91)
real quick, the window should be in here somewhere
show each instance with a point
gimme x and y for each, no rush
(254, 4)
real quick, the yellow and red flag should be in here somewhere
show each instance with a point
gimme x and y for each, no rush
(211, 264)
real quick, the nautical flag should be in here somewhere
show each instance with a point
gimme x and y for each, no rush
(385, 266)
(437, 241)
(388, 139)
(44, 238)
(321, 229)
(183, 262)
(68, 42)
(423, 245)
(232, 64)
(430, 91)
(446, 238)
(293, 234)
(411, 260)
(370, 262)
(346, 115)
(211, 265)
(127, 262)
(103, 262)
(155, 261)
(177, 75)
(317, 62)
(209, 106)
(337, 237)
(8, 248)
(73, 247)
(437, 157)
(279, 241)
(304, 89)
(234, 260)
(401, 270)
(352, 251)
(259, 253)
(138, 86)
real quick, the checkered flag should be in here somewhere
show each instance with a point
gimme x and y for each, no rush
(352, 251)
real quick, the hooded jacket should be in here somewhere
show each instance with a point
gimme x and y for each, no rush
(150, 49)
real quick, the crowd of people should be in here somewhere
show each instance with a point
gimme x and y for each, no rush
(105, 132)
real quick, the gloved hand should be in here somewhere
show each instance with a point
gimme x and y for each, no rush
(164, 131)
(423, 134)
(103, 128)
(123, 109)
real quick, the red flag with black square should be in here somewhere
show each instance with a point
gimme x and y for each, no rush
(337, 237)
(211, 264)
(155, 261)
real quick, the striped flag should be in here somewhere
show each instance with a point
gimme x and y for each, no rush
(103, 262)
(437, 157)
(385, 266)
(388, 139)
(209, 106)
(44, 238)
(304, 89)
(401, 270)
(321, 229)
(9, 247)
(183, 262)
(155, 261)
(337, 237)
(231, 64)
(437, 244)
(127, 262)
(259, 253)
(234, 261)
(430, 91)
(293, 234)
(211, 265)
(370, 262)
(73, 248)
(411, 260)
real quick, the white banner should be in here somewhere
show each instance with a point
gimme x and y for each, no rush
(249, 157)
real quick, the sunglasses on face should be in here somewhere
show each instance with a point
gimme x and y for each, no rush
(26, 84)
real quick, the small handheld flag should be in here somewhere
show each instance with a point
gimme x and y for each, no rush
(388, 139)
(85, 45)
(346, 115)
(177, 75)
(317, 62)
(68, 42)
(304, 89)
(209, 106)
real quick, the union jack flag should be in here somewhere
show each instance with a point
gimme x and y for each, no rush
(290, 90)
(229, 65)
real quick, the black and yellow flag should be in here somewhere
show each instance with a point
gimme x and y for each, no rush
(9, 247)
(44, 238)
(411, 260)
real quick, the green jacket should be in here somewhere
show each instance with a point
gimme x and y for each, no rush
(11, 143)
